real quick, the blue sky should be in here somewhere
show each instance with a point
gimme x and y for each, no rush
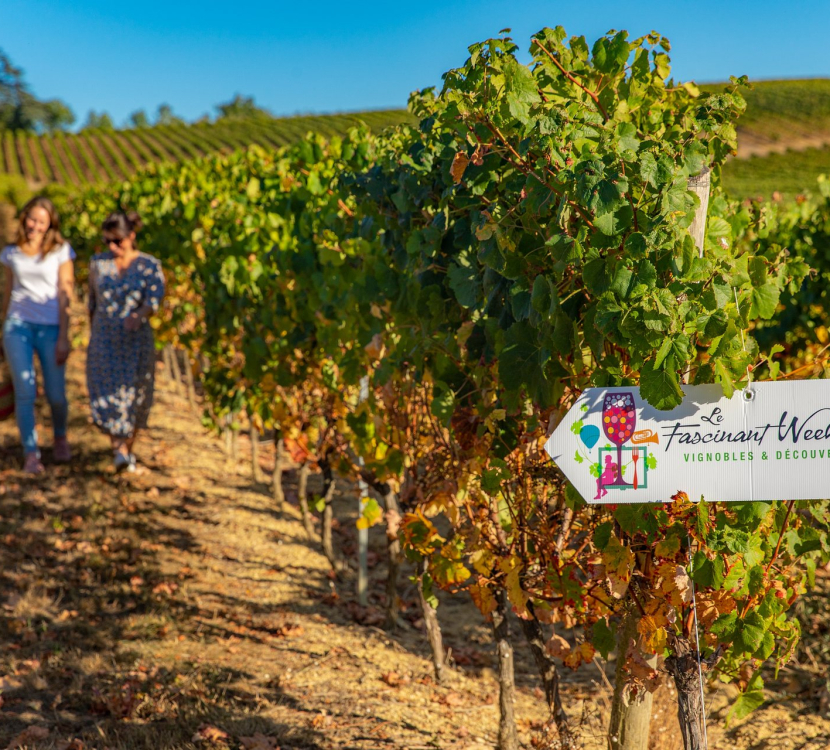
(324, 56)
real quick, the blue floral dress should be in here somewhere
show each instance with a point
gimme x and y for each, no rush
(120, 366)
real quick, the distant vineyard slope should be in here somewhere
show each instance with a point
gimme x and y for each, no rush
(783, 140)
(102, 155)
(784, 115)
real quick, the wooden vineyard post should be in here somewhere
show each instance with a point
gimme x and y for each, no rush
(302, 493)
(168, 365)
(689, 681)
(175, 370)
(226, 434)
(256, 473)
(628, 727)
(700, 185)
(276, 479)
(362, 534)
(190, 381)
(631, 719)
(234, 436)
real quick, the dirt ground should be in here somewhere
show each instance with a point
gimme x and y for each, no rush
(177, 609)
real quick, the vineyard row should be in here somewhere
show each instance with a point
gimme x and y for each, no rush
(96, 156)
(418, 309)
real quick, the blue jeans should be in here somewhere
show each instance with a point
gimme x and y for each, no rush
(20, 341)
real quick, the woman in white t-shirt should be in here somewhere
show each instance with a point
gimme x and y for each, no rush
(37, 293)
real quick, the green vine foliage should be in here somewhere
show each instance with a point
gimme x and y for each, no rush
(800, 228)
(543, 213)
(529, 239)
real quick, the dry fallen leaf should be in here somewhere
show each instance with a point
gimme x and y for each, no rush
(393, 679)
(259, 742)
(165, 587)
(210, 733)
(322, 720)
(28, 737)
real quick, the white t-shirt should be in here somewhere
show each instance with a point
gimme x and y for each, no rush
(35, 283)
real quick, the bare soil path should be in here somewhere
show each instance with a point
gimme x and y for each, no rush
(175, 608)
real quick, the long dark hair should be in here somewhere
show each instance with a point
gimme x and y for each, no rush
(53, 237)
(122, 224)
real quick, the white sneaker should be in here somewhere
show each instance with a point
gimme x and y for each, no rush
(124, 463)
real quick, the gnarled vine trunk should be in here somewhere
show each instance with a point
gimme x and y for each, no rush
(176, 371)
(535, 637)
(395, 555)
(508, 739)
(433, 628)
(329, 485)
(685, 669)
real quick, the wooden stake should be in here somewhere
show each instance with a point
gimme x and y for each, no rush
(276, 479)
(190, 381)
(256, 472)
(226, 433)
(302, 492)
(630, 717)
(168, 366)
(701, 185)
(234, 436)
(176, 371)
(362, 534)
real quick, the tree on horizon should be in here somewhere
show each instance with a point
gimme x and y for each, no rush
(20, 109)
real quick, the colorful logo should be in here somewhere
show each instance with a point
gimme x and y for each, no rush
(621, 464)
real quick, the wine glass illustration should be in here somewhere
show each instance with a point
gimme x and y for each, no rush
(619, 418)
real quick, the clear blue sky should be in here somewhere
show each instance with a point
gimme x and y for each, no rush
(324, 56)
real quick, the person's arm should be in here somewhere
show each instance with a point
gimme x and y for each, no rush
(91, 299)
(8, 281)
(66, 291)
(138, 317)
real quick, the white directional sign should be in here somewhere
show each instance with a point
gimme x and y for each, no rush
(769, 442)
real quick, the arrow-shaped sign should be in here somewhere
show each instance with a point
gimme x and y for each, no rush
(769, 442)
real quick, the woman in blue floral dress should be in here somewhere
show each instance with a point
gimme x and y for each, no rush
(125, 287)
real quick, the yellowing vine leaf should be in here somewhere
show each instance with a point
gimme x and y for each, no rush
(674, 583)
(668, 547)
(582, 654)
(512, 567)
(618, 561)
(652, 627)
(459, 164)
(371, 513)
(713, 604)
(483, 599)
